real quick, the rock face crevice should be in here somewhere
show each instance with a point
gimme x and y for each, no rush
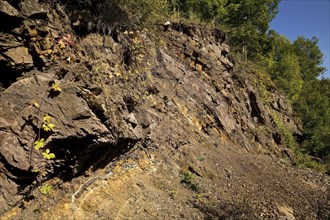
(126, 129)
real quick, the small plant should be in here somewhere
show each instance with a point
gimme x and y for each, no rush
(47, 155)
(39, 144)
(188, 178)
(201, 158)
(55, 87)
(47, 125)
(172, 193)
(45, 189)
(136, 48)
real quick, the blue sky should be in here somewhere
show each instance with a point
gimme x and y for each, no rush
(306, 18)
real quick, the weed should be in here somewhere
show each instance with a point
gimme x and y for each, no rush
(201, 158)
(188, 178)
(47, 125)
(172, 193)
(45, 189)
(47, 155)
(39, 143)
(55, 87)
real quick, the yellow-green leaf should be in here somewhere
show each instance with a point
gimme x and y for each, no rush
(47, 155)
(39, 144)
(51, 156)
(45, 189)
(48, 126)
(56, 88)
(47, 118)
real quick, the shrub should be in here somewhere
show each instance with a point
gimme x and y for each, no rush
(130, 13)
(188, 178)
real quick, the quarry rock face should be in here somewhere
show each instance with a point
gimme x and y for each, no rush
(141, 126)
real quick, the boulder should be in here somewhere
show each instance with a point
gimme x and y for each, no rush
(33, 9)
(19, 56)
(8, 41)
(9, 17)
(8, 10)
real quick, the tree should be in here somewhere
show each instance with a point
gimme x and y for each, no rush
(205, 10)
(286, 75)
(248, 22)
(310, 57)
(283, 65)
(313, 108)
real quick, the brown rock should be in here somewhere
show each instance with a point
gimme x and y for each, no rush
(199, 67)
(31, 8)
(19, 55)
(286, 213)
(9, 16)
(8, 10)
(9, 41)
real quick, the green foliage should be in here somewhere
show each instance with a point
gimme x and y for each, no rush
(305, 160)
(313, 108)
(285, 132)
(310, 57)
(133, 13)
(47, 118)
(188, 178)
(247, 21)
(293, 68)
(204, 10)
(45, 189)
(135, 52)
(286, 74)
(302, 159)
(264, 84)
(55, 87)
(283, 65)
(147, 11)
(47, 155)
(47, 125)
(39, 144)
